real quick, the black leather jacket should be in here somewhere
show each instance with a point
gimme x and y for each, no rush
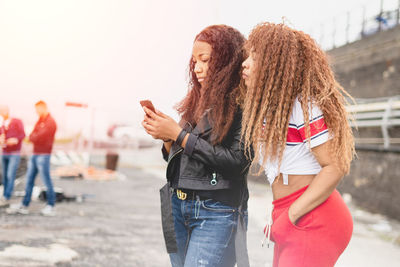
(204, 166)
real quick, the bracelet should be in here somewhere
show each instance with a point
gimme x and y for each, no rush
(180, 137)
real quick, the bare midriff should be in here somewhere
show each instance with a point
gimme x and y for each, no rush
(296, 182)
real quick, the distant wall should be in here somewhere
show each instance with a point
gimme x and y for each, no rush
(369, 67)
(374, 182)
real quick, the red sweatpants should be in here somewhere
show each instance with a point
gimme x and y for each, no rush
(317, 239)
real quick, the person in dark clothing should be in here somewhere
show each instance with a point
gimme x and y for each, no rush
(207, 167)
(11, 136)
(42, 138)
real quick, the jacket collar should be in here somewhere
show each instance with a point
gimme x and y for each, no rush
(203, 126)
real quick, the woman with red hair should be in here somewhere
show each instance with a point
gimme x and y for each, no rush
(207, 166)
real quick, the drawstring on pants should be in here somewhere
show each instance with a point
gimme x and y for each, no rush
(267, 233)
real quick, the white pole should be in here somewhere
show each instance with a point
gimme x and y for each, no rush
(91, 140)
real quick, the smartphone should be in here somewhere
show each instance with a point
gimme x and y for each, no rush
(148, 104)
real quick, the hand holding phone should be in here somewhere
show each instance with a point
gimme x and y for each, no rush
(159, 125)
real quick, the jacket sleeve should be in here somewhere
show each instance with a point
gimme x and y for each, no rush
(17, 130)
(21, 131)
(39, 135)
(33, 137)
(219, 157)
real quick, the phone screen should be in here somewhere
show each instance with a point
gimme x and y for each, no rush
(148, 104)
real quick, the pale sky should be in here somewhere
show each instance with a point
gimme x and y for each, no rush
(110, 54)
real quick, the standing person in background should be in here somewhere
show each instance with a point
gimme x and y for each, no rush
(42, 138)
(11, 136)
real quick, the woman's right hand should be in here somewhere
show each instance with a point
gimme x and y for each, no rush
(149, 132)
(167, 141)
(160, 126)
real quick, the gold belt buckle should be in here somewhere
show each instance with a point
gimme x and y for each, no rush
(181, 195)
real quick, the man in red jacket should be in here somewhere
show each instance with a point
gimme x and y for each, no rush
(11, 135)
(42, 138)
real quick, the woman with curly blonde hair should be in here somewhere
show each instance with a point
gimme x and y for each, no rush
(294, 111)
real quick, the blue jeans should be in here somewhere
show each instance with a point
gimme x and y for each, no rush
(10, 163)
(39, 164)
(205, 233)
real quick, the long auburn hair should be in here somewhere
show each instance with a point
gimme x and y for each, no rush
(289, 64)
(220, 91)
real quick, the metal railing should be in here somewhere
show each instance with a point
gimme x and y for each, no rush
(357, 23)
(378, 112)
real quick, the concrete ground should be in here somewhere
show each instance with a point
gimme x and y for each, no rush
(119, 225)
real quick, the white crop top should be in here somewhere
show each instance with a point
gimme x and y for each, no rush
(297, 157)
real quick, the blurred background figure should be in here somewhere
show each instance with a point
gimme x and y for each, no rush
(42, 138)
(11, 136)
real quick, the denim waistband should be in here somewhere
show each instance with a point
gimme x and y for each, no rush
(289, 199)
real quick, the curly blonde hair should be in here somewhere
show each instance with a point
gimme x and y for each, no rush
(289, 64)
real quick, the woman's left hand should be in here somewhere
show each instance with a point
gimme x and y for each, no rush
(160, 126)
(292, 217)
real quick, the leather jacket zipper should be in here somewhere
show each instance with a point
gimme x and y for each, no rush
(180, 149)
(214, 179)
(176, 153)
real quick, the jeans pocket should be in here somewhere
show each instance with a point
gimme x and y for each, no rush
(212, 205)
